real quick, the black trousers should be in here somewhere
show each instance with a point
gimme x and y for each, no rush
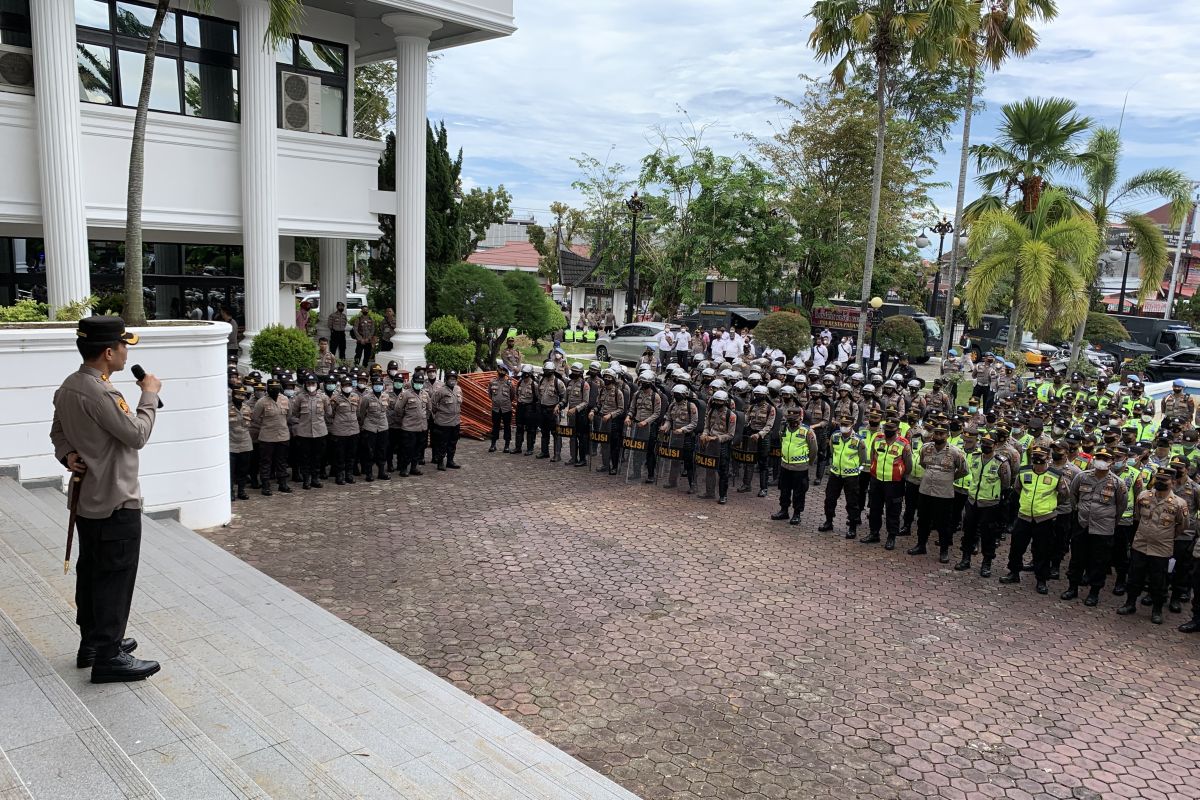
(1181, 576)
(239, 469)
(502, 421)
(1041, 536)
(912, 496)
(793, 486)
(344, 451)
(1065, 530)
(373, 449)
(981, 525)
(935, 513)
(395, 447)
(956, 510)
(363, 352)
(308, 453)
(1090, 554)
(547, 423)
(105, 575)
(414, 448)
(527, 422)
(1122, 541)
(445, 442)
(1147, 572)
(272, 461)
(849, 485)
(684, 357)
(885, 496)
(337, 343)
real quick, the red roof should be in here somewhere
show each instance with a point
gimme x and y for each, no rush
(515, 255)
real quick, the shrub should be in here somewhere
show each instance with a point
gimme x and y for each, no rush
(110, 303)
(449, 345)
(1136, 366)
(784, 330)
(286, 347)
(901, 335)
(1102, 328)
(24, 311)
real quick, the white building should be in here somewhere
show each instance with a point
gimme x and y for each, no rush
(246, 148)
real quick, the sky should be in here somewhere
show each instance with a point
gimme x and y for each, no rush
(600, 77)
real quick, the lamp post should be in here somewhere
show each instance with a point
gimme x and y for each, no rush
(635, 206)
(1127, 246)
(873, 317)
(941, 229)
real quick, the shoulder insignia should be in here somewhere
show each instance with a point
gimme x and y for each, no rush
(121, 404)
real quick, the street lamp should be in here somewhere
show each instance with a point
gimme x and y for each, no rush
(874, 317)
(635, 206)
(1127, 245)
(941, 229)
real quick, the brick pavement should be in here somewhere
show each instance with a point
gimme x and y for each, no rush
(689, 650)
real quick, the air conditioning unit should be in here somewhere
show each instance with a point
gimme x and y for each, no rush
(16, 69)
(295, 272)
(301, 99)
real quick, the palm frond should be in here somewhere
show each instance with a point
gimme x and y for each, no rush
(982, 282)
(286, 16)
(1151, 248)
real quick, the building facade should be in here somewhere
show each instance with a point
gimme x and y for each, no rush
(246, 148)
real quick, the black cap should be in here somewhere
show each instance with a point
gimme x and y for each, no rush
(104, 330)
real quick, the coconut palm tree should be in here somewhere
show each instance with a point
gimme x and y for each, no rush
(285, 16)
(884, 34)
(1101, 195)
(1005, 30)
(1043, 254)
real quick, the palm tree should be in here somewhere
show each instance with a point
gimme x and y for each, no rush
(1043, 254)
(1101, 194)
(1005, 29)
(285, 16)
(884, 34)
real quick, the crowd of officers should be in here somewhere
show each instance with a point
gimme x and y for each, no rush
(1060, 467)
(339, 423)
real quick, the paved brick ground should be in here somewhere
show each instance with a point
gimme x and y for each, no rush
(691, 650)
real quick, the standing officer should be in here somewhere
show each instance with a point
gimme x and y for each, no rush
(373, 407)
(990, 479)
(891, 460)
(446, 410)
(307, 420)
(96, 436)
(240, 443)
(608, 412)
(511, 356)
(720, 425)
(526, 411)
(943, 465)
(848, 453)
(680, 423)
(1040, 491)
(579, 398)
(645, 409)
(364, 337)
(1161, 517)
(551, 393)
(269, 424)
(797, 449)
(760, 424)
(1099, 499)
(500, 390)
(412, 410)
(342, 419)
(337, 331)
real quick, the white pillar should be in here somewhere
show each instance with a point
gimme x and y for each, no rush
(287, 291)
(260, 220)
(350, 91)
(578, 298)
(56, 109)
(412, 50)
(332, 255)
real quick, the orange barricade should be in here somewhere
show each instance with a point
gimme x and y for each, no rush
(477, 404)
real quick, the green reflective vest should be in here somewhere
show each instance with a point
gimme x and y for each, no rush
(966, 482)
(1146, 431)
(917, 469)
(1129, 477)
(1039, 493)
(793, 445)
(847, 460)
(985, 476)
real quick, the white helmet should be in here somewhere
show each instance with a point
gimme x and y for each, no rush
(858, 376)
(914, 384)
(800, 380)
(709, 372)
(680, 390)
(646, 375)
(793, 372)
(761, 391)
(889, 384)
(576, 365)
(721, 396)
(741, 386)
(754, 376)
(775, 386)
(594, 365)
(868, 387)
(717, 384)
(548, 366)
(527, 368)
(844, 387)
(788, 391)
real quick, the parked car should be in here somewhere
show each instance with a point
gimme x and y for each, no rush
(1036, 352)
(627, 343)
(1183, 364)
(354, 302)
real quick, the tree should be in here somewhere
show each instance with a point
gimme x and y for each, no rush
(902, 336)
(567, 223)
(530, 314)
(1101, 195)
(784, 330)
(1044, 254)
(885, 33)
(449, 345)
(1004, 29)
(604, 188)
(1101, 328)
(373, 88)
(285, 16)
(479, 209)
(480, 300)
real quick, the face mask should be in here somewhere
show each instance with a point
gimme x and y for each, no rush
(987, 448)
(1147, 418)
(1119, 463)
(418, 385)
(331, 387)
(391, 373)
(1162, 485)
(1114, 421)
(353, 384)
(310, 388)
(1038, 462)
(1018, 431)
(845, 429)
(237, 402)
(398, 386)
(347, 389)
(972, 409)
(272, 393)
(452, 384)
(1059, 431)
(377, 388)
(1100, 464)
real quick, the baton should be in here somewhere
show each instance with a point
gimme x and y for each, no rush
(73, 507)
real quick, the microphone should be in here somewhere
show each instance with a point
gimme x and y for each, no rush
(139, 373)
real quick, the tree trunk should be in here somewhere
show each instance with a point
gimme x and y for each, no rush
(873, 219)
(134, 311)
(952, 278)
(1014, 316)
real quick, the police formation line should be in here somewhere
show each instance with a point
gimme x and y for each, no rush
(1061, 469)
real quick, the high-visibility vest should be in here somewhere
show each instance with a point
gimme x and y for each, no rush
(869, 436)
(966, 482)
(1024, 441)
(917, 470)
(1039, 493)
(887, 460)
(1146, 431)
(1103, 401)
(1129, 477)
(847, 460)
(1082, 460)
(793, 445)
(985, 476)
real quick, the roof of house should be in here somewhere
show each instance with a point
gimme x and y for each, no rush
(577, 269)
(513, 255)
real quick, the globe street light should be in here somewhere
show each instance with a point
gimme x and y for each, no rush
(873, 317)
(941, 229)
(1127, 244)
(635, 206)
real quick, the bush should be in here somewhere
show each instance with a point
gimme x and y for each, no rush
(111, 303)
(1136, 366)
(25, 311)
(447, 330)
(286, 347)
(901, 335)
(784, 330)
(1102, 328)
(449, 345)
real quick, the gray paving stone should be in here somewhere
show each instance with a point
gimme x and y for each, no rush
(272, 770)
(62, 768)
(232, 733)
(131, 723)
(29, 716)
(178, 772)
(11, 785)
(306, 735)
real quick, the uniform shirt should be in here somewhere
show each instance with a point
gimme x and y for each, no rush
(326, 362)
(760, 419)
(91, 418)
(364, 328)
(307, 415)
(551, 390)
(942, 467)
(412, 411)
(526, 390)
(501, 392)
(579, 394)
(646, 406)
(239, 429)
(682, 417)
(1069, 472)
(269, 420)
(233, 333)
(1099, 501)
(512, 358)
(337, 321)
(1160, 520)
(1173, 405)
(818, 412)
(720, 423)
(1189, 492)
(373, 412)
(342, 415)
(446, 405)
(610, 400)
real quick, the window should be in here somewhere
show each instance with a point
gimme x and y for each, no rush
(195, 66)
(327, 62)
(14, 23)
(1186, 358)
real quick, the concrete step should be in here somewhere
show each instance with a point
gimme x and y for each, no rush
(344, 697)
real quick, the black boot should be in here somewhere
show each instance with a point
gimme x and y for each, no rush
(232, 494)
(944, 555)
(1191, 626)
(917, 550)
(241, 493)
(1070, 594)
(872, 538)
(1093, 597)
(795, 519)
(266, 489)
(1010, 577)
(762, 492)
(1042, 588)
(306, 483)
(122, 668)
(1156, 615)
(349, 477)
(1119, 588)
(780, 514)
(985, 569)
(825, 526)
(963, 564)
(492, 449)
(316, 481)
(284, 487)
(1130, 607)
(340, 478)
(1175, 606)
(890, 544)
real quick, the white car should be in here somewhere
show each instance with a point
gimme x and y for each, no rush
(354, 302)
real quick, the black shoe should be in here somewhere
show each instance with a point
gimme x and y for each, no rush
(944, 555)
(349, 478)
(825, 526)
(306, 483)
(1147, 600)
(442, 468)
(1156, 615)
(1010, 577)
(266, 490)
(612, 471)
(401, 474)
(985, 569)
(316, 483)
(1119, 588)
(527, 452)
(743, 489)
(385, 476)
(722, 500)
(601, 469)
(87, 655)
(872, 538)
(890, 544)
(539, 455)
(1127, 609)
(1070, 594)
(795, 520)
(1054, 573)
(339, 480)
(1042, 588)
(1191, 626)
(284, 488)
(413, 471)
(507, 449)
(492, 449)
(1175, 606)
(905, 531)
(917, 550)
(779, 515)
(370, 478)
(1093, 598)
(123, 668)
(762, 492)
(241, 494)
(649, 479)
(963, 565)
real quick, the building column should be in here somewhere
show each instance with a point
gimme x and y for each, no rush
(578, 298)
(350, 91)
(332, 260)
(287, 291)
(168, 260)
(412, 51)
(60, 162)
(260, 220)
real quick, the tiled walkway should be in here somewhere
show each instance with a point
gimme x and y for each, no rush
(690, 650)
